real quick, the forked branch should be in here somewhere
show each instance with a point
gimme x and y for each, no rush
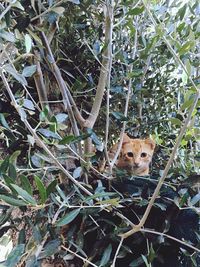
(183, 129)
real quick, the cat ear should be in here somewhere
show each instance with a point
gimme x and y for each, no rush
(126, 139)
(150, 142)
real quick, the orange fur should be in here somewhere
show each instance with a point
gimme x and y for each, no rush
(135, 155)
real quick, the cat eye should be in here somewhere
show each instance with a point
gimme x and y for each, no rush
(143, 155)
(130, 154)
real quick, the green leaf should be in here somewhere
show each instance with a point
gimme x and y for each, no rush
(67, 140)
(34, 36)
(9, 181)
(145, 260)
(136, 11)
(175, 121)
(29, 71)
(3, 121)
(15, 256)
(182, 11)
(195, 199)
(8, 36)
(77, 172)
(72, 139)
(187, 104)
(59, 10)
(28, 43)
(4, 165)
(28, 104)
(119, 116)
(186, 47)
(106, 255)
(20, 78)
(25, 183)
(17, 5)
(137, 262)
(12, 171)
(48, 134)
(13, 201)
(61, 117)
(69, 217)
(51, 187)
(50, 248)
(41, 188)
(14, 156)
(24, 194)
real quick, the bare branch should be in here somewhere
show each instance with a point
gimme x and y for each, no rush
(126, 105)
(117, 252)
(64, 90)
(170, 237)
(39, 82)
(107, 56)
(78, 256)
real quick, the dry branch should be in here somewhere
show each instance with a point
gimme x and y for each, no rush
(39, 82)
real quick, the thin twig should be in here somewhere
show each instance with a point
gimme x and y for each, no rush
(112, 163)
(117, 252)
(170, 237)
(64, 90)
(79, 256)
(48, 10)
(90, 121)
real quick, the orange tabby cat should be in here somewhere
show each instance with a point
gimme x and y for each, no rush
(135, 155)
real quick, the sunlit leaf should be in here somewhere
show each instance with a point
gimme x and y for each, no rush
(29, 71)
(28, 43)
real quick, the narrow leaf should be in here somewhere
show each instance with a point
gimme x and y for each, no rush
(41, 188)
(106, 255)
(3, 121)
(29, 71)
(15, 255)
(20, 78)
(51, 187)
(28, 43)
(26, 184)
(77, 172)
(68, 218)
(24, 194)
(13, 201)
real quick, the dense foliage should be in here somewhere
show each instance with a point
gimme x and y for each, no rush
(55, 205)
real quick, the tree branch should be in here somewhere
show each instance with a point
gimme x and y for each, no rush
(138, 227)
(64, 90)
(39, 82)
(107, 57)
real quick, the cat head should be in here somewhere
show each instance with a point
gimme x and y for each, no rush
(136, 155)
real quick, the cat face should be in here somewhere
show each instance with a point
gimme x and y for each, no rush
(136, 155)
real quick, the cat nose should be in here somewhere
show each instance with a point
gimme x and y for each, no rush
(136, 163)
